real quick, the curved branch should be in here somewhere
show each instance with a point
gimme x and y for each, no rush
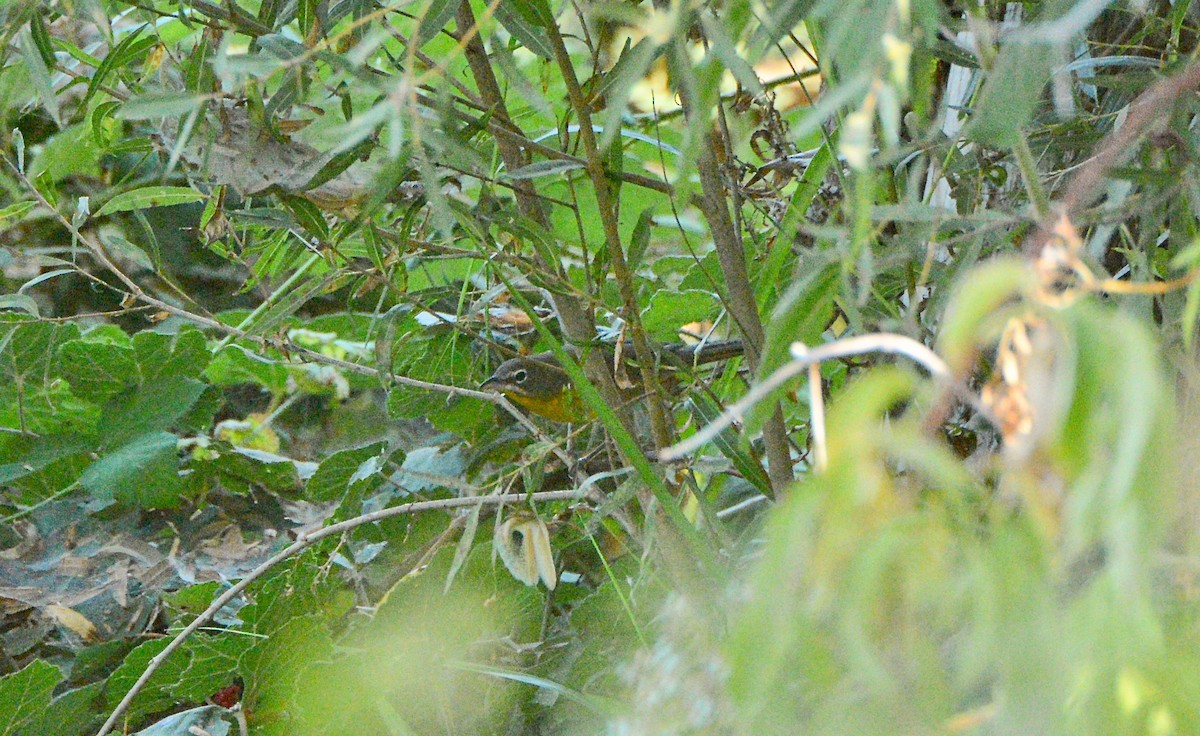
(303, 542)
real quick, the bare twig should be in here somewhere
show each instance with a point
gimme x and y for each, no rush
(802, 358)
(816, 402)
(742, 305)
(139, 294)
(577, 324)
(1151, 105)
(607, 206)
(303, 542)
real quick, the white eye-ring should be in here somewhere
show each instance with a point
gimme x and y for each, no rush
(520, 375)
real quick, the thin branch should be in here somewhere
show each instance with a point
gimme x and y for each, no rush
(802, 358)
(136, 292)
(607, 205)
(742, 304)
(577, 324)
(816, 401)
(302, 542)
(1153, 104)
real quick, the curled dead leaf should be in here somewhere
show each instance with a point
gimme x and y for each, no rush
(523, 544)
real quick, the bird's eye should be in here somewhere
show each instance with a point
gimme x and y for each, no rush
(520, 376)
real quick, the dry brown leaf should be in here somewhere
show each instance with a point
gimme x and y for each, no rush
(73, 620)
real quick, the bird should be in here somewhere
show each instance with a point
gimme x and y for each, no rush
(538, 384)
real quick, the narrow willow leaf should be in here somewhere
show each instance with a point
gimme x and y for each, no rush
(544, 168)
(159, 105)
(149, 197)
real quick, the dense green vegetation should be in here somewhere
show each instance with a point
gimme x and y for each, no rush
(258, 256)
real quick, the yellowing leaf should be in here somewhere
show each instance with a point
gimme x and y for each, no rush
(523, 544)
(73, 620)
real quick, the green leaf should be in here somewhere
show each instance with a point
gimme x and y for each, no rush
(275, 667)
(41, 40)
(143, 473)
(159, 105)
(239, 471)
(545, 168)
(204, 664)
(25, 695)
(619, 83)
(70, 152)
(670, 310)
(29, 349)
(529, 34)
(184, 354)
(436, 15)
(119, 58)
(40, 71)
(23, 455)
(15, 212)
(157, 196)
(118, 246)
(97, 371)
(780, 20)
(343, 469)
(235, 364)
(20, 302)
(308, 215)
(730, 443)
(153, 407)
(801, 315)
(973, 311)
(534, 12)
(1011, 92)
(74, 713)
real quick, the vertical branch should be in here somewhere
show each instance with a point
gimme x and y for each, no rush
(606, 201)
(577, 324)
(743, 307)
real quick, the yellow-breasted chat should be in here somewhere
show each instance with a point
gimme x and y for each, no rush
(538, 384)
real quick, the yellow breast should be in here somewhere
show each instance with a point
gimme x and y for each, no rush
(564, 406)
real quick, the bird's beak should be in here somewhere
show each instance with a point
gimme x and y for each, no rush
(489, 382)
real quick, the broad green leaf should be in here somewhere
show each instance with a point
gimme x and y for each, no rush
(143, 473)
(70, 152)
(25, 695)
(342, 469)
(204, 664)
(184, 354)
(97, 371)
(668, 311)
(154, 406)
(73, 713)
(22, 455)
(243, 471)
(28, 349)
(235, 364)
